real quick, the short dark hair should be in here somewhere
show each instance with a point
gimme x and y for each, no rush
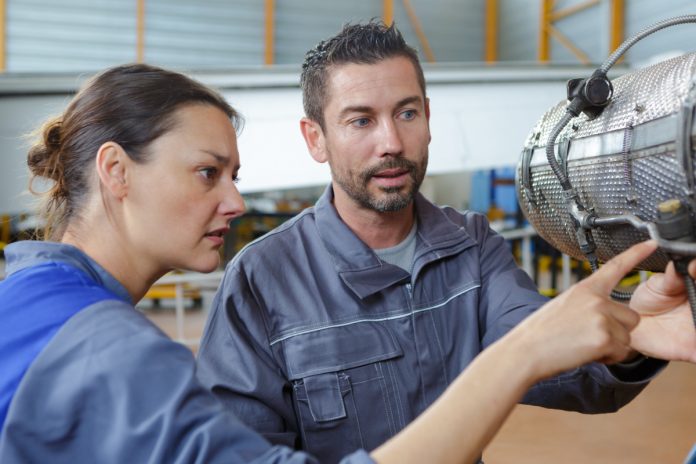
(366, 43)
(131, 105)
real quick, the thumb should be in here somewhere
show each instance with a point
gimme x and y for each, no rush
(668, 284)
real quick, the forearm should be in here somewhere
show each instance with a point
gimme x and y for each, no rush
(579, 326)
(457, 427)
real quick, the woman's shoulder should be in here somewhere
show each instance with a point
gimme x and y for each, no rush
(111, 328)
(111, 387)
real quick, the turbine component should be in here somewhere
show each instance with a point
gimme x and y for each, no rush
(623, 160)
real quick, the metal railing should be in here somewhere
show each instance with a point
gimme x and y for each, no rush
(213, 279)
(180, 281)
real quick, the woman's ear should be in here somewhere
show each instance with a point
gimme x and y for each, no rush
(112, 165)
(314, 138)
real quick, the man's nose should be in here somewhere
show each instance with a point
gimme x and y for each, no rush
(390, 139)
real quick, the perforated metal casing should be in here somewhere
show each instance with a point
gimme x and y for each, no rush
(626, 161)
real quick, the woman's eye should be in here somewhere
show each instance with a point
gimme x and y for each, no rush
(208, 173)
(236, 179)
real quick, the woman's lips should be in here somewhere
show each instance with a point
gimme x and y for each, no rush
(217, 236)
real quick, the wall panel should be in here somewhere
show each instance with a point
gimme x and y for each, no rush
(70, 35)
(206, 34)
(672, 41)
(301, 24)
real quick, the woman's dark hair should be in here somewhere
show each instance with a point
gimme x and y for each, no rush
(131, 105)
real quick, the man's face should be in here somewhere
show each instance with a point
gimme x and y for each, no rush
(376, 133)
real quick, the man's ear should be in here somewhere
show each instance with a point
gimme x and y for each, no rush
(314, 138)
(112, 165)
(427, 116)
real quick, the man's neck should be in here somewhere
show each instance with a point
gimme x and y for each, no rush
(376, 229)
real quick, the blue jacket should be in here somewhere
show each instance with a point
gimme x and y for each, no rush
(316, 343)
(92, 380)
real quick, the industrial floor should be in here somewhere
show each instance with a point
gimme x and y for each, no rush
(658, 427)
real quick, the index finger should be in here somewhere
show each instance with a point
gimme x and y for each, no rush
(616, 268)
(692, 268)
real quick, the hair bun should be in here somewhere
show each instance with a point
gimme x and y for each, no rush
(44, 156)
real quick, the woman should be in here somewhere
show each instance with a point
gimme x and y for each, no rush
(144, 163)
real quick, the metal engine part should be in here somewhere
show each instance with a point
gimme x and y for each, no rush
(636, 154)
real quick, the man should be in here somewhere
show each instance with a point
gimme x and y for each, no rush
(337, 329)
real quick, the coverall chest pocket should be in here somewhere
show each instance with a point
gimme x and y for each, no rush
(344, 388)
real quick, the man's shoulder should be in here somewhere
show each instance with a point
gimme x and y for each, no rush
(287, 237)
(474, 223)
(464, 217)
(432, 212)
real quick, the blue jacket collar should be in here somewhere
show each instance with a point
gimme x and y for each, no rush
(28, 253)
(359, 266)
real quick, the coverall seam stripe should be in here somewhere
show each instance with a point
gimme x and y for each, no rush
(399, 407)
(377, 319)
(440, 349)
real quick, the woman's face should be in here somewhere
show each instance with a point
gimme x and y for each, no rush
(181, 201)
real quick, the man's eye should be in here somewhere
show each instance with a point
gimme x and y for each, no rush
(408, 114)
(361, 122)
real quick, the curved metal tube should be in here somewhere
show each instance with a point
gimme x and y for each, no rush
(670, 246)
(628, 43)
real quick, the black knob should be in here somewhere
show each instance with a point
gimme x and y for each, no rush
(598, 90)
(674, 221)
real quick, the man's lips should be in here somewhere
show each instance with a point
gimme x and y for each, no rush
(391, 173)
(391, 178)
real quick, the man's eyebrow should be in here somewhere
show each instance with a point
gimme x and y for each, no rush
(409, 100)
(354, 109)
(368, 109)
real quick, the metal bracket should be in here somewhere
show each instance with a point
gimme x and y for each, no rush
(683, 145)
(526, 170)
(631, 196)
(563, 151)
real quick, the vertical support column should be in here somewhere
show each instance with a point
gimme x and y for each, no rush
(491, 53)
(5, 228)
(418, 29)
(616, 26)
(140, 31)
(527, 265)
(3, 35)
(544, 31)
(179, 310)
(565, 273)
(269, 35)
(388, 12)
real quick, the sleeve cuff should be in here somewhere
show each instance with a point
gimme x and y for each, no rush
(638, 370)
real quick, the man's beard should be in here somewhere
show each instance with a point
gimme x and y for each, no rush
(393, 198)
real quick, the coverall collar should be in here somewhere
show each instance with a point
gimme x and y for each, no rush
(27, 253)
(359, 266)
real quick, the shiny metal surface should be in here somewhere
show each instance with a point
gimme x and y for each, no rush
(626, 161)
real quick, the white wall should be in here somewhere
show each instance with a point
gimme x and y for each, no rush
(473, 125)
(18, 117)
(480, 118)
